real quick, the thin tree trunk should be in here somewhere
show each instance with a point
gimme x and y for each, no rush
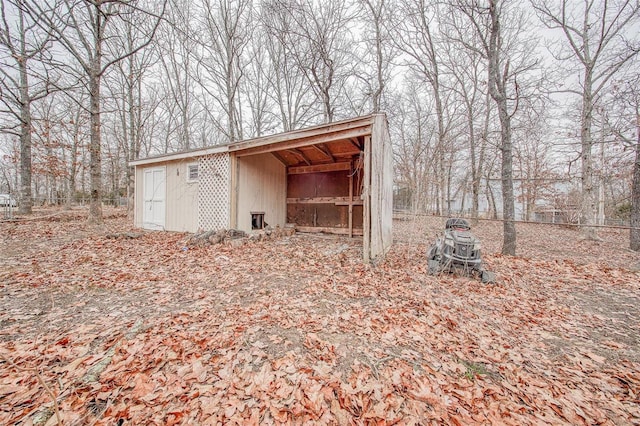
(634, 237)
(480, 169)
(508, 204)
(498, 93)
(133, 132)
(26, 203)
(95, 158)
(25, 125)
(588, 201)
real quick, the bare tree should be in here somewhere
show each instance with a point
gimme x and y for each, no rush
(468, 70)
(223, 36)
(500, 28)
(177, 46)
(532, 153)
(414, 143)
(21, 83)
(419, 37)
(418, 40)
(126, 87)
(85, 30)
(634, 237)
(602, 38)
(48, 148)
(320, 47)
(625, 126)
(257, 88)
(73, 132)
(295, 104)
(9, 161)
(379, 49)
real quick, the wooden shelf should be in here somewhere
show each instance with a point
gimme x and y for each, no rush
(330, 230)
(338, 201)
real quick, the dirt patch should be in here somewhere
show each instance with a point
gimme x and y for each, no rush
(614, 318)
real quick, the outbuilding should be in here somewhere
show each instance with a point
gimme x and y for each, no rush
(333, 178)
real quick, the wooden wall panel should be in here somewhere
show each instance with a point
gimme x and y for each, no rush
(138, 197)
(310, 185)
(305, 188)
(181, 197)
(261, 188)
(323, 215)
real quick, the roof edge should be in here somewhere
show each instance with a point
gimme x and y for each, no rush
(355, 122)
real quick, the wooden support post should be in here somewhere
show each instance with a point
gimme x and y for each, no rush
(351, 201)
(366, 197)
(233, 184)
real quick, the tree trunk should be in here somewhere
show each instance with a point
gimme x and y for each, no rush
(634, 237)
(508, 204)
(95, 158)
(475, 176)
(133, 135)
(71, 188)
(587, 201)
(26, 202)
(231, 105)
(491, 199)
(479, 169)
(497, 88)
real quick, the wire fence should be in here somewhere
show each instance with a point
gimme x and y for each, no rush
(9, 209)
(9, 206)
(613, 223)
(77, 201)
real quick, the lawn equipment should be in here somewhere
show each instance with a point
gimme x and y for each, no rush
(458, 250)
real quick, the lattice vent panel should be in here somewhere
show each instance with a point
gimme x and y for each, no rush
(213, 193)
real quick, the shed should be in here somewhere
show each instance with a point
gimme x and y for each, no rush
(332, 178)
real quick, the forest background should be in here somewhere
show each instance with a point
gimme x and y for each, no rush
(491, 102)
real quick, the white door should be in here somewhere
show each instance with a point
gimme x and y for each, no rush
(153, 214)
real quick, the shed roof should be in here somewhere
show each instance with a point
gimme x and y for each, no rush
(322, 144)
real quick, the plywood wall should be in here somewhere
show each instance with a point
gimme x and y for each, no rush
(261, 187)
(313, 199)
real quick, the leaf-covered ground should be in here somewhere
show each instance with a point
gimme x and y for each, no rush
(297, 330)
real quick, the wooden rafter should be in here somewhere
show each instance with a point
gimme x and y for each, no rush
(300, 154)
(324, 150)
(279, 158)
(355, 143)
(332, 131)
(341, 135)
